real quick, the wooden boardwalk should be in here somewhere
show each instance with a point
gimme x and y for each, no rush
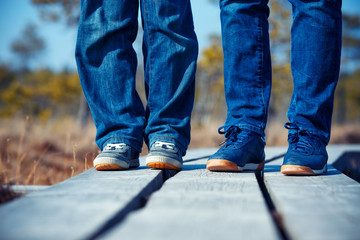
(191, 204)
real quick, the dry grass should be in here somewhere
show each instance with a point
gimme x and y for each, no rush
(205, 136)
(44, 154)
(32, 153)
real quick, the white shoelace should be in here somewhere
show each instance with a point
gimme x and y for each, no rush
(116, 146)
(164, 145)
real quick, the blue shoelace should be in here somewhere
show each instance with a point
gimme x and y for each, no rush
(303, 139)
(234, 135)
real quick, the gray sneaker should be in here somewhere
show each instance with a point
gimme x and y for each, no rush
(164, 156)
(116, 157)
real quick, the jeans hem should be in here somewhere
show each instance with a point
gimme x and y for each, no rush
(321, 134)
(252, 128)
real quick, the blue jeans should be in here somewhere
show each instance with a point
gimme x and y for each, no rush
(315, 63)
(107, 65)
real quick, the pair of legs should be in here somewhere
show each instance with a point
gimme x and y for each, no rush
(315, 63)
(107, 65)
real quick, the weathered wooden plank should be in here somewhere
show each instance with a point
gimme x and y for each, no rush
(198, 204)
(317, 207)
(336, 151)
(78, 207)
(27, 189)
(194, 204)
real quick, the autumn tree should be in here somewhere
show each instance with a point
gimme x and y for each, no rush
(27, 46)
(209, 97)
(59, 10)
(67, 11)
(43, 94)
(348, 89)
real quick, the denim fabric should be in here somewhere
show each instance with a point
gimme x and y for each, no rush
(107, 65)
(315, 63)
(247, 63)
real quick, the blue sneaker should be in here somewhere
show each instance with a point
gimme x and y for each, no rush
(164, 155)
(306, 154)
(242, 150)
(117, 157)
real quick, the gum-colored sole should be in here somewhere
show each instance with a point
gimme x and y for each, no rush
(298, 170)
(107, 166)
(228, 166)
(222, 165)
(162, 165)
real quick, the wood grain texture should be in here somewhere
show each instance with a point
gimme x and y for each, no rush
(199, 204)
(193, 204)
(78, 207)
(316, 207)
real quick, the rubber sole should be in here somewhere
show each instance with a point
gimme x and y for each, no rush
(223, 165)
(298, 170)
(161, 165)
(109, 163)
(107, 166)
(162, 162)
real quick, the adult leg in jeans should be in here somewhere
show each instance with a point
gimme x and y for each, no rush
(170, 53)
(107, 65)
(315, 63)
(247, 78)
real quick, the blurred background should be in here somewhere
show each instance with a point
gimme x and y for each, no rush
(46, 130)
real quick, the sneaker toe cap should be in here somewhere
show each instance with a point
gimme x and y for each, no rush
(315, 162)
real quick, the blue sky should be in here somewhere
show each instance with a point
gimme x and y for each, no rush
(60, 40)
